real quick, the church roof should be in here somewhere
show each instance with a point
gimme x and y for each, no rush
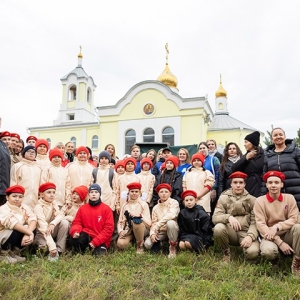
(78, 71)
(226, 122)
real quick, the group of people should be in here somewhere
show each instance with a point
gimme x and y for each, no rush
(66, 197)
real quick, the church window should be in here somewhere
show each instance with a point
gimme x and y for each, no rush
(168, 135)
(95, 142)
(149, 135)
(72, 93)
(49, 142)
(220, 106)
(70, 117)
(88, 95)
(73, 140)
(130, 139)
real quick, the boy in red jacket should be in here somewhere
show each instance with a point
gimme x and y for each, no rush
(93, 225)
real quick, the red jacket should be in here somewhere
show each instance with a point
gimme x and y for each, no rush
(96, 221)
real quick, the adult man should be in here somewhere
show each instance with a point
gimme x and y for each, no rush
(235, 221)
(4, 171)
(276, 217)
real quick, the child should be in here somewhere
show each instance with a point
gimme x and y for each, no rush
(70, 209)
(124, 180)
(135, 152)
(42, 158)
(31, 140)
(51, 223)
(195, 227)
(164, 221)
(162, 155)
(59, 176)
(171, 177)
(152, 155)
(147, 180)
(134, 220)
(17, 223)
(93, 225)
(199, 180)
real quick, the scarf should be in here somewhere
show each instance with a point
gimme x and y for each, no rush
(212, 153)
(94, 203)
(234, 159)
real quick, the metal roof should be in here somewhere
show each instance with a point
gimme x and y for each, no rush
(78, 71)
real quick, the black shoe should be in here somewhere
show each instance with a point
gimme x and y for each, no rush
(156, 247)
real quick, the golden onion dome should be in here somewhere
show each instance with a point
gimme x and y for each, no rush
(168, 78)
(80, 55)
(221, 92)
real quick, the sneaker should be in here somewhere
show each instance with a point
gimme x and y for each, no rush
(53, 258)
(226, 256)
(172, 249)
(6, 258)
(140, 247)
(156, 247)
(14, 254)
(296, 265)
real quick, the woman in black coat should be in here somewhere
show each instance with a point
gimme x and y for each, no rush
(284, 156)
(252, 164)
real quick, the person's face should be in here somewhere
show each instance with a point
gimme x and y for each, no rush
(238, 185)
(6, 140)
(164, 194)
(31, 143)
(146, 166)
(41, 149)
(75, 198)
(18, 148)
(95, 158)
(94, 195)
(166, 154)
(274, 185)
(120, 170)
(111, 150)
(150, 155)
(197, 163)
(13, 142)
(130, 167)
(82, 156)
(134, 194)
(135, 153)
(169, 165)
(15, 199)
(189, 201)
(211, 145)
(104, 161)
(203, 149)
(182, 155)
(48, 195)
(70, 148)
(56, 160)
(112, 166)
(61, 148)
(232, 151)
(248, 145)
(30, 155)
(160, 154)
(278, 137)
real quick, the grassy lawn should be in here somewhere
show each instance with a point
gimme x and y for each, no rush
(126, 275)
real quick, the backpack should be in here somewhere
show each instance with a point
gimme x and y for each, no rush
(110, 175)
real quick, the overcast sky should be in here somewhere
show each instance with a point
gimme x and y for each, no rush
(254, 44)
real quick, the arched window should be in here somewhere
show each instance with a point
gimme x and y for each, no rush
(88, 95)
(220, 106)
(129, 140)
(95, 142)
(73, 140)
(72, 93)
(168, 135)
(149, 135)
(49, 142)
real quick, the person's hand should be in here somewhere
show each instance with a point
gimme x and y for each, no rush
(271, 234)
(251, 154)
(27, 240)
(213, 195)
(50, 229)
(234, 223)
(117, 211)
(76, 235)
(153, 238)
(246, 242)
(286, 249)
(91, 245)
(122, 234)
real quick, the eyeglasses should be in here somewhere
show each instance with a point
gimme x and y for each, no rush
(30, 151)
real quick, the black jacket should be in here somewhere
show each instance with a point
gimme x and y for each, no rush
(287, 162)
(4, 168)
(224, 182)
(254, 169)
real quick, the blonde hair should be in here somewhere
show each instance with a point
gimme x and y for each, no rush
(188, 159)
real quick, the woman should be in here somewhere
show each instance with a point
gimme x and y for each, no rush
(184, 161)
(232, 153)
(69, 153)
(251, 164)
(212, 149)
(284, 156)
(152, 155)
(110, 148)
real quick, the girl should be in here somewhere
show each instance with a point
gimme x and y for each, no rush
(200, 180)
(42, 158)
(110, 148)
(184, 160)
(212, 149)
(152, 155)
(195, 227)
(69, 153)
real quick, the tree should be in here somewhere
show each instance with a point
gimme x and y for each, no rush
(297, 139)
(268, 139)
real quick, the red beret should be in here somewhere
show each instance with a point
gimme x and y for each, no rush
(4, 133)
(146, 160)
(15, 135)
(200, 156)
(46, 186)
(54, 152)
(120, 163)
(274, 173)
(15, 189)
(31, 137)
(82, 191)
(188, 193)
(134, 186)
(163, 186)
(238, 175)
(162, 166)
(174, 159)
(41, 142)
(82, 148)
(128, 159)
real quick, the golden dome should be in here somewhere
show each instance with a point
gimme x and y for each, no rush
(80, 55)
(221, 92)
(168, 78)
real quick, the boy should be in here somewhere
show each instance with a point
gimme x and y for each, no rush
(42, 158)
(31, 140)
(93, 225)
(235, 221)
(276, 217)
(50, 222)
(165, 153)
(164, 221)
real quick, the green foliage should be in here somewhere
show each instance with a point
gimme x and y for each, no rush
(297, 139)
(268, 139)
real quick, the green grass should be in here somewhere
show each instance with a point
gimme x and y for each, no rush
(126, 275)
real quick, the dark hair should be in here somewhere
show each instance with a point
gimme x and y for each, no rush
(203, 143)
(225, 155)
(155, 156)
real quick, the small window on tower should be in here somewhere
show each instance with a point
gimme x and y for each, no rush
(72, 93)
(70, 117)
